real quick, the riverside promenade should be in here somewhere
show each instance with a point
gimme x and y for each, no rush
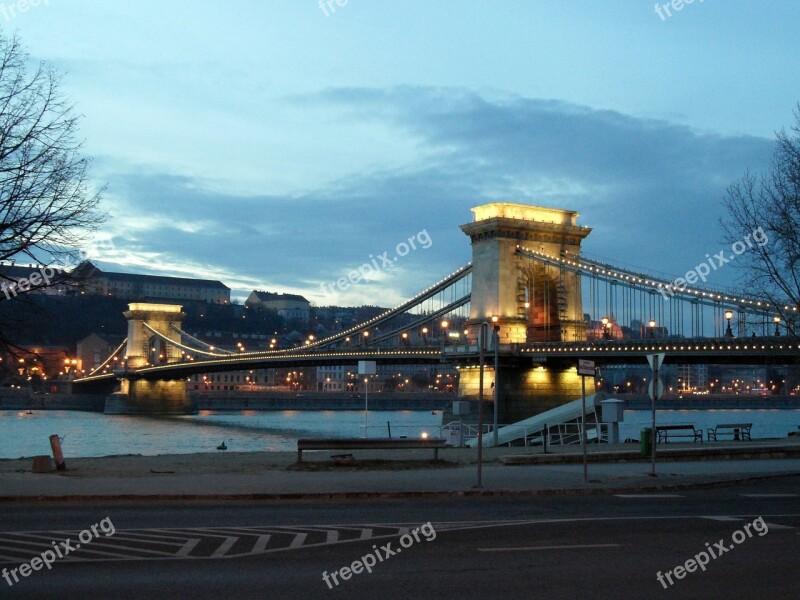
(392, 473)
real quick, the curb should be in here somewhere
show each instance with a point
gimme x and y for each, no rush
(471, 493)
(683, 455)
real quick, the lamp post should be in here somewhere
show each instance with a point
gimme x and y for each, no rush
(777, 321)
(366, 338)
(652, 325)
(404, 338)
(496, 343)
(445, 325)
(728, 317)
(606, 335)
(425, 336)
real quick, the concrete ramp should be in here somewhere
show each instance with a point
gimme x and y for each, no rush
(536, 424)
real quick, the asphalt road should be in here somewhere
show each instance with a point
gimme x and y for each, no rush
(556, 546)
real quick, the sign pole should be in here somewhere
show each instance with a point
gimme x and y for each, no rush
(653, 436)
(585, 367)
(583, 427)
(656, 389)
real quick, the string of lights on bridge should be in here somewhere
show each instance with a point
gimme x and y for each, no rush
(632, 277)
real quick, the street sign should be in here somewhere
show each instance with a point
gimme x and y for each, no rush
(586, 367)
(655, 360)
(660, 391)
(660, 356)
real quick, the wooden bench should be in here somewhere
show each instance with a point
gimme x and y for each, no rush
(674, 431)
(737, 431)
(367, 444)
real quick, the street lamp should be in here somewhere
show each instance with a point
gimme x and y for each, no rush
(652, 325)
(777, 321)
(445, 325)
(606, 328)
(404, 338)
(728, 317)
(366, 338)
(484, 326)
(425, 336)
(496, 343)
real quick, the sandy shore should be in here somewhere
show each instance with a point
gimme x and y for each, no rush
(250, 462)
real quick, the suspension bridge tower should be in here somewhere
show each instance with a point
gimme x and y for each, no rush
(533, 302)
(144, 348)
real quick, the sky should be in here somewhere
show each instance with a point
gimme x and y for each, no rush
(281, 144)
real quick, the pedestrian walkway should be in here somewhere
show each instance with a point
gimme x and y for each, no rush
(407, 473)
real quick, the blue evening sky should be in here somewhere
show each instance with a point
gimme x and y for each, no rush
(276, 145)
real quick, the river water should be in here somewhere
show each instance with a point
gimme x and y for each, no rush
(96, 434)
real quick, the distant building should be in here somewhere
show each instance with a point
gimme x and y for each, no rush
(94, 349)
(134, 287)
(292, 307)
(16, 279)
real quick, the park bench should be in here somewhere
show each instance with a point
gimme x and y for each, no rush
(368, 444)
(737, 431)
(665, 432)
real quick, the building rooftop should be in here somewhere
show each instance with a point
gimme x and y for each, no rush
(93, 271)
(270, 296)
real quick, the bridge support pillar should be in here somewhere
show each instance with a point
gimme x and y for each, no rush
(140, 396)
(523, 391)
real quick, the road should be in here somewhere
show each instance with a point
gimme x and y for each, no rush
(603, 546)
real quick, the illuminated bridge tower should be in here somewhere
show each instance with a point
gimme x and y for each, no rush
(141, 396)
(533, 302)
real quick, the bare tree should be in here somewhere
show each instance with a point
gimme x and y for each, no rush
(770, 203)
(48, 207)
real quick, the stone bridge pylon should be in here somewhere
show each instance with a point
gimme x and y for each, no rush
(141, 396)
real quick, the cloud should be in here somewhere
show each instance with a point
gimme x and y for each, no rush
(651, 190)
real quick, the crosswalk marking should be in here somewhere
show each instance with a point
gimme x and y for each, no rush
(261, 543)
(223, 548)
(188, 547)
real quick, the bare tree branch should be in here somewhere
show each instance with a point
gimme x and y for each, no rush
(48, 206)
(771, 202)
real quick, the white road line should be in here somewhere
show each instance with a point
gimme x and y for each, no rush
(145, 540)
(298, 540)
(188, 547)
(92, 545)
(649, 496)
(777, 526)
(333, 536)
(722, 518)
(366, 534)
(770, 495)
(570, 547)
(224, 547)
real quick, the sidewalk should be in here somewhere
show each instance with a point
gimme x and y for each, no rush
(403, 474)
